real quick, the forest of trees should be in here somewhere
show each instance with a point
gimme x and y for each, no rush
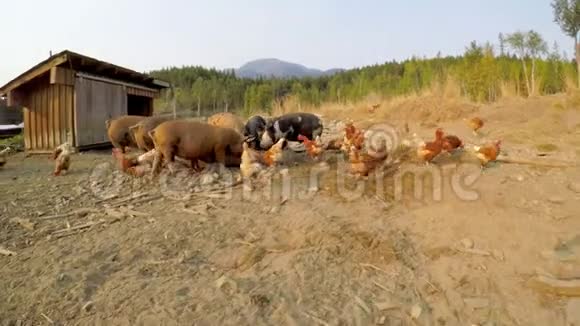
(521, 65)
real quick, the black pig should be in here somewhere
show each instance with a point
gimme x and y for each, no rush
(253, 131)
(289, 126)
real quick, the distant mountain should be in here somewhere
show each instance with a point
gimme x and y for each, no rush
(279, 69)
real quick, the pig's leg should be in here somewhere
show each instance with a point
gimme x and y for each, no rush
(220, 156)
(169, 155)
(56, 171)
(156, 163)
(195, 165)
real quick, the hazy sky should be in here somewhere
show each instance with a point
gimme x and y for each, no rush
(149, 34)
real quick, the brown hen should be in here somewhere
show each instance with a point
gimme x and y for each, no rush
(61, 156)
(362, 163)
(352, 137)
(475, 124)
(430, 150)
(274, 155)
(312, 147)
(488, 153)
(252, 161)
(451, 143)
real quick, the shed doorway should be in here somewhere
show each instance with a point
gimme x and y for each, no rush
(139, 105)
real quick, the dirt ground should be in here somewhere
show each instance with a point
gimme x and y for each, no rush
(173, 251)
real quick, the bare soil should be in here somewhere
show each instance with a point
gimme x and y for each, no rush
(168, 251)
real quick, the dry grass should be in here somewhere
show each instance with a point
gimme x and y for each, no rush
(571, 84)
(508, 90)
(436, 104)
(451, 89)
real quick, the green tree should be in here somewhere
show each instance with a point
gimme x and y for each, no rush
(567, 15)
(536, 48)
(552, 72)
(528, 45)
(501, 39)
(197, 92)
(517, 42)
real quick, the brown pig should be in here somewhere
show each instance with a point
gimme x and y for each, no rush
(119, 133)
(140, 131)
(197, 141)
(227, 120)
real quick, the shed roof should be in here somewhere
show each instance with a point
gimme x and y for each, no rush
(82, 63)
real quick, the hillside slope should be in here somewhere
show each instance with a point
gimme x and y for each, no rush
(279, 69)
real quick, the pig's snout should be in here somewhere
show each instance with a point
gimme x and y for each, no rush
(266, 141)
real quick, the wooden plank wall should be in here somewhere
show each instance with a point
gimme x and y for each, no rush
(48, 116)
(96, 101)
(60, 75)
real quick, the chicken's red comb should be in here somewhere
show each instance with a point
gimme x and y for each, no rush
(303, 138)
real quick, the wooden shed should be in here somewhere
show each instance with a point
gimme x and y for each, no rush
(69, 96)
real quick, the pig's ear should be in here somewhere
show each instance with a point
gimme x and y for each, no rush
(108, 123)
(134, 127)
